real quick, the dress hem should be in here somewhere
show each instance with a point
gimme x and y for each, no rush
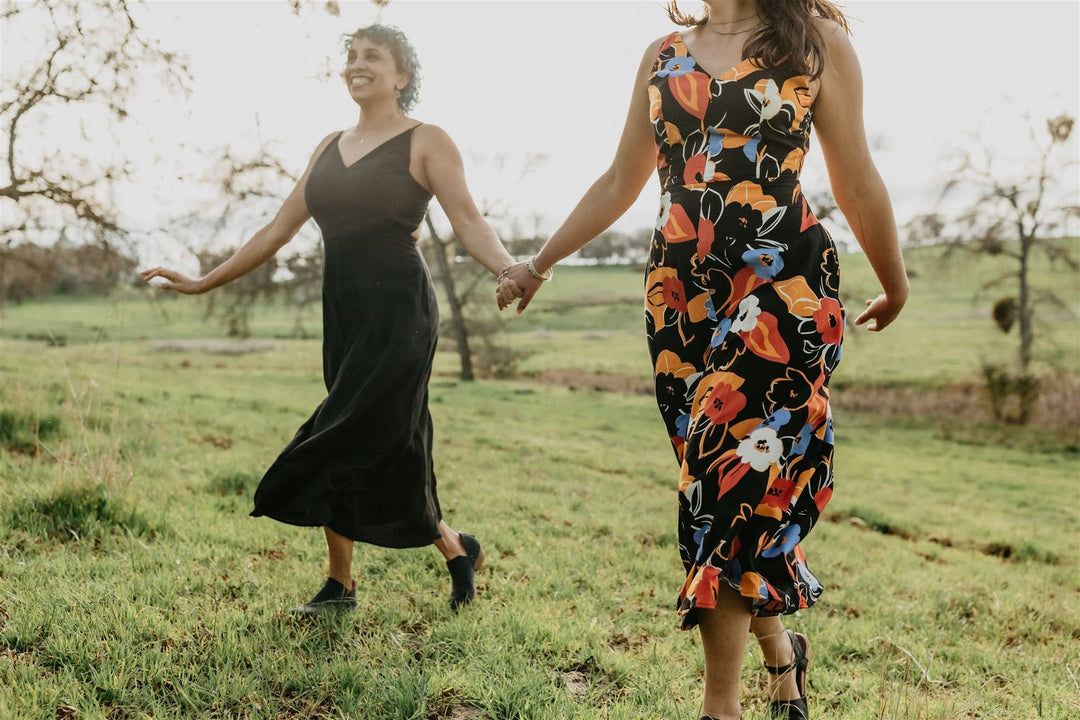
(403, 542)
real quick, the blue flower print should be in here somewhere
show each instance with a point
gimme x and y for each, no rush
(766, 262)
(716, 142)
(710, 311)
(808, 577)
(733, 571)
(720, 333)
(750, 149)
(783, 542)
(777, 420)
(682, 424)
(828, 439)
(677, 66)
(803, 441)
(699, 537)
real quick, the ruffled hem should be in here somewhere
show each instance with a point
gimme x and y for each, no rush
(799, 591)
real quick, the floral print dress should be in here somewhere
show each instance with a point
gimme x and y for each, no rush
(745, 327)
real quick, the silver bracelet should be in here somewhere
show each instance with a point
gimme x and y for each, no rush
(532, 271)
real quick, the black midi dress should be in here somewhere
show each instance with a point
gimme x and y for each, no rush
(361, 465)
(745, 328)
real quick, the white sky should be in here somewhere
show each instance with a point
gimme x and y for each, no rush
(514, 78)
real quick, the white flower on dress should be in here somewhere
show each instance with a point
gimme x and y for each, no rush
(761, 448)
(746, 319)
(770, 101)
(665, 210)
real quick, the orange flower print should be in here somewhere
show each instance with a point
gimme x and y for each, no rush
(675, 294)
(829, 320)
(678, 227)
(724, 401)
(654, 103)
(744, 320)
(779, 493)
(691, 90)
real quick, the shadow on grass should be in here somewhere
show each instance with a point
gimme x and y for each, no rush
(21, 432)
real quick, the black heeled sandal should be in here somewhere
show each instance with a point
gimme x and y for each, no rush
(793, 709)
(462, 570)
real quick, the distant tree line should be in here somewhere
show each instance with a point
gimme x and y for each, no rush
(65, 268)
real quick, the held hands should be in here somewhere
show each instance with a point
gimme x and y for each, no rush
(175, 281)
(519, 281)
(882, 310)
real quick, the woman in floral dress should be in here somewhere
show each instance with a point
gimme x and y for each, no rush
(742, 305)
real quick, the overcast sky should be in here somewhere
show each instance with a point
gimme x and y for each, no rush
(513, 79)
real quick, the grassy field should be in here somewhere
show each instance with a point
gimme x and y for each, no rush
(133, 584)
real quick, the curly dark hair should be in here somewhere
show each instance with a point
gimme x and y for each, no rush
(404, 57)
(789, 38)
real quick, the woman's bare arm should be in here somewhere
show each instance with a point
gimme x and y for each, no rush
(857, 187)
(262, 245)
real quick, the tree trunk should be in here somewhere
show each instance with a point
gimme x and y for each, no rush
(1024, 303)
(457, 317)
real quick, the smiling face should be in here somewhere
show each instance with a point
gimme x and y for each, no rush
(371, 73)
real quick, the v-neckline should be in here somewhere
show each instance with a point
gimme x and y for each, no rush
(697, 63)
(341, 158)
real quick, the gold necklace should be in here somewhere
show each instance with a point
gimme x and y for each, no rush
(709, 26)
(732, 22)
(732, 32)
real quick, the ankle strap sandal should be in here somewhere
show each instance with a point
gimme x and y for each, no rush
(793, 709)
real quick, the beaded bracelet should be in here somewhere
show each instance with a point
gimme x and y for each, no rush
(532, 271)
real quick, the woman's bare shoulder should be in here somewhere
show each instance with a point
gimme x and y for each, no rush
(837, 37)
(324, 142)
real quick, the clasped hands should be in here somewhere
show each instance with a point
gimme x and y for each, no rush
(518, 281)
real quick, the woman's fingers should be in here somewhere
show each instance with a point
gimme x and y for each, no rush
(506, 291)
(879, 310)
(169, 279)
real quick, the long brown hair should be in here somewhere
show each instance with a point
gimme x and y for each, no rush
(789, 39)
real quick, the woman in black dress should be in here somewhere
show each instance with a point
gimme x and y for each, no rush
(361, 466)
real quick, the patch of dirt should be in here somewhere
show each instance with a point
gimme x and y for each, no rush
(585, 677)
(577, 684)
(215, 347)
(1058, 404)
(452, 704)
(624, 642)
(221, 443)
(599, 382)
(1004, 551)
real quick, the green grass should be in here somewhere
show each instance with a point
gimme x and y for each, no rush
(133, 584)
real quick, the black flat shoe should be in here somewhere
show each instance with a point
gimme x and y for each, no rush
(462, 569)
(333, 597)
(793, 709)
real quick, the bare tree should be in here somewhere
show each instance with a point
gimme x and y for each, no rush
(252, 184)
(441, 250)
(63, 110)
(1014, 214)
